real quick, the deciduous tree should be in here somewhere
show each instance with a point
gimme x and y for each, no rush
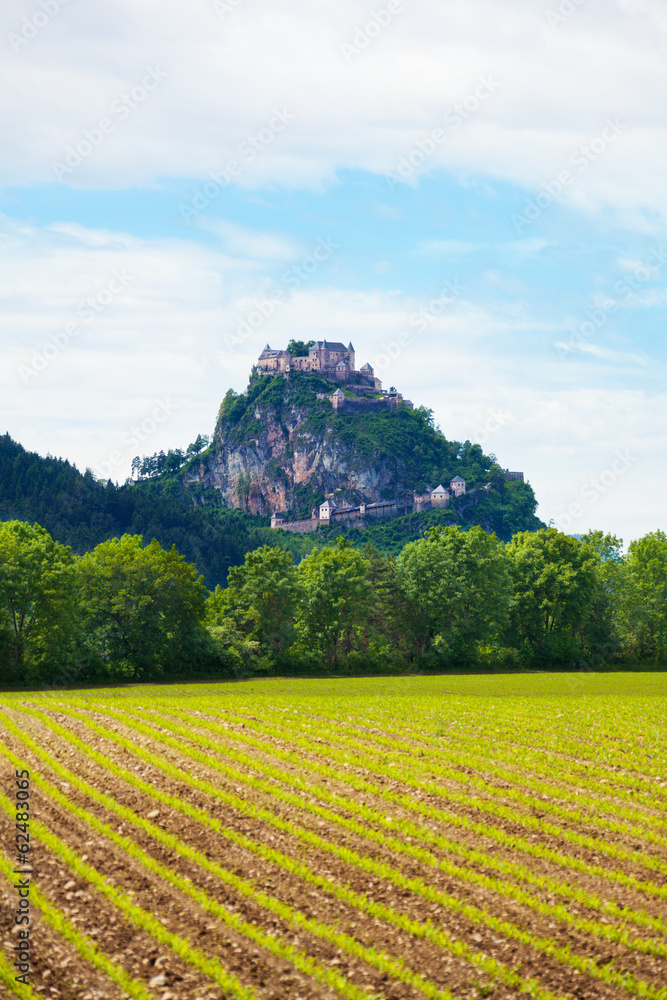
(335, 600)
(39, 609)
(144, 606)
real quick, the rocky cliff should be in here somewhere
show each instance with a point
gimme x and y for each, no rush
(281, 447)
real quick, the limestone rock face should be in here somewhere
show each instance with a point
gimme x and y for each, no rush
(287, 455)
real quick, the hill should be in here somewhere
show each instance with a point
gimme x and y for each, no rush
(282, 446)
(81, 512)
(278, 446)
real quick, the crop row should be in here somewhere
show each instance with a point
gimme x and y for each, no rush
(300, 959)
(546, 946)
(414, 832)
(8, 979)
(405, 827)
(400, 920)
(461, 765)
(343, 749)
(141, 918)
(58, 920)
(511, 840)
(404, 769)
(537, 747)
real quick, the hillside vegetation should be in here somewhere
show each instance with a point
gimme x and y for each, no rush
(295, 449)
(400, 450)
(80, 512)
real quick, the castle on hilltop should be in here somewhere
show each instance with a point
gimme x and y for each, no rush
(335, 362)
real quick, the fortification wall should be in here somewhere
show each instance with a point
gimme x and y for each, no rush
(301, 527)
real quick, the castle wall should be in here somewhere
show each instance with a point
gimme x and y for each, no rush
(369, 405)
(300, 527)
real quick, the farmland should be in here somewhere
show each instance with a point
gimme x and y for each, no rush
(408, 837)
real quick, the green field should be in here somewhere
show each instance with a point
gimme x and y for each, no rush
(408, 837)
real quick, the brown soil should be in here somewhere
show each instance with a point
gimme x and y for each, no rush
(254, 965)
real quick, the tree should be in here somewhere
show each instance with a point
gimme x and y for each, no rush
(268, 589)
(143, 607)
(335, 599)
(601, 633)
(455, 590)
(39, 607)
(644, 598)
(299, 348)
(556, 584)
(200, 442)
(174, 461)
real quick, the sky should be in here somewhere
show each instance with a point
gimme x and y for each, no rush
(472, 192)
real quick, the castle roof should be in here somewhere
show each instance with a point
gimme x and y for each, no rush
(339, 392)
(342, 364)
(329, 345)
(456, 479)
(328, 505)
(438, 489)
(268, 353)
(350, 347)
(366, 368)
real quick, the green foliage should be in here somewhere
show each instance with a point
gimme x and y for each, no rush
(268, 589)
(454, 599)
(336, 599)
(80, 512)
(143, 607)
(299, 348)
(556, 585)
(39, 607)
(454, 592)
(508, 508)
(643, 611)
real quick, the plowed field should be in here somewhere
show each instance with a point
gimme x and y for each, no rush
(449, 837)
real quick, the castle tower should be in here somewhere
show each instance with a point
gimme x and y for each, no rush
(338, 400)
(458, 486)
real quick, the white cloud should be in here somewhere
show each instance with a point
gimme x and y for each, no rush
(226, 76)
(242, 241)
(162, 338)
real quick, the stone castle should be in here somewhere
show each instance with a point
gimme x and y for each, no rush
(335, 362)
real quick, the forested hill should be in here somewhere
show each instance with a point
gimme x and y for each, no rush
(281, 446)
(274, 429)
(81, 512)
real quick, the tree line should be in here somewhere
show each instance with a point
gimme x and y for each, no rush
(452, 600)
(171, 462)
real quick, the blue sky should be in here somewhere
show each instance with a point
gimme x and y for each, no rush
(472, 193)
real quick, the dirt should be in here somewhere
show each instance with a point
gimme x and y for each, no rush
(256, 966)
